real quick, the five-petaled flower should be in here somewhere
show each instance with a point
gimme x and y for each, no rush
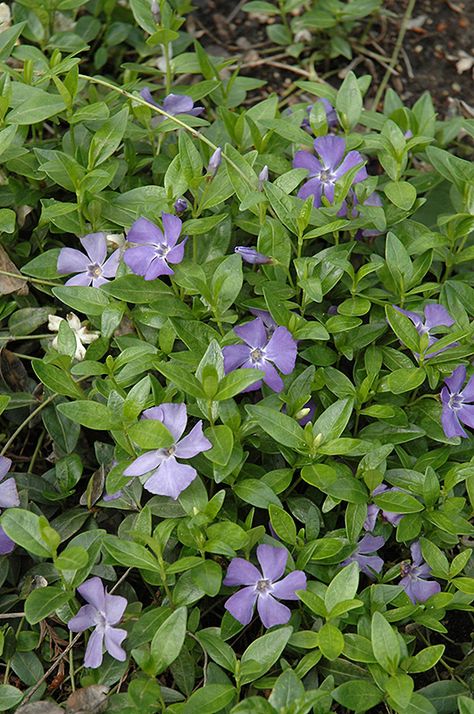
(170, 477)
(81, 333)
(457, 403)
(154, 248)
(8, 499)
(367, 563)
(94, 268)
(261, 352)
(324, 172)
(102, 612)
(415, 574)
(262, 587)
(434, 316)
(173, 104)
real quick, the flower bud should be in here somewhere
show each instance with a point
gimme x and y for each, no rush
(262, 177)
(250, 255)
(214, 161)
(155, 11)
(180, 205)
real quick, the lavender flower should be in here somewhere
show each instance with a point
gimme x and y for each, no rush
(154, 249)
(262, 177)
(173, 104)
(373, 510)
(368, 564)
(214, 162)
(435, 316)
(331, 116)
(260, 352)
(8, 499)
(180, 205)
(94, 268)
(250, 255)
(267, 319)
(325, 171)
(263, 587)
(457, 403)
(102, 612)
(415, 575)
(170, 477)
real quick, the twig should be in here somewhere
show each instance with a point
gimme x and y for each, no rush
(7, 615)
(52, 668)
(396, 52)
(236, 10)
(27, 421)
(407, 64)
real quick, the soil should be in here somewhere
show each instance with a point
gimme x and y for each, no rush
(437, 53)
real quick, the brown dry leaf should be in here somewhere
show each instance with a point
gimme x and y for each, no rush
(12, 372)
(90, 700)
(8, 284)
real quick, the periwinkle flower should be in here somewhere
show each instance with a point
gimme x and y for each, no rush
(324, 172)
(173, 104)
(457, 403)
(415, 577)
(250, 255)
(92, 268)
(180, 205)
(368, 564)
(170, 477)
(261, 352)
(434, 316)
(154, 248)
(214, 162)
(8, 499)
(266, 318)
(263, 588)
(102, 612)
(262, 177)
(373, 510)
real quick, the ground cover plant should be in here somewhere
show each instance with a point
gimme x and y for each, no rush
(236, 469)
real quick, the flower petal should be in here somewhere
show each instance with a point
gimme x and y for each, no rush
(176, 254)
(95, 246)
(6, 543)
(170, 478)
(450, 423)
(139, 259)
(272, 612)
(421, 590)
(172, 227)
(313, 188)
(456, 380)
(114, 637)
(5, 462)
(115, 606)
(468, 391)
(253, 333)
(234, 356)
(94, 592)
(173, 416)
(466, 414)
(271, 377)
(415, 552)
(352, 159)
(413, 316)
(331, 150)
(192, 444)
(281, 350)
(71, 260)
(82, 279)
(158, 267)
(436, 315)
(147, 96)
(109, 268)
(241, 604)
(85, 618)
(272, 561)
(9, 494)
(144, 231)
(370, 543)
(241, 572)
(94, 656)
(177, 104)
(144, 463)
(369, 563)
(285, 589)
(306, 160)
(371, 518)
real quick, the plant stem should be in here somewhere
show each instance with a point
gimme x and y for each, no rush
(27, 421)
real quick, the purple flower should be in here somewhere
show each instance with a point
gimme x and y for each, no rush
(435, 316)
(94, 268)
(102, 612)
(180, 205)
(260, 352)
(173, 104)
(457, 403)
(214, 161)
(8, 499)
(262, 177)
(331, 116)
(154, 249)
(325, 171)
(415, 575)
(169, 476)
(373, 510)
(263, 587)
(250, 255)
(367, 563)
(267, 319)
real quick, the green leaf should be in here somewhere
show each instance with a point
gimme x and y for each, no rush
(342, 587)
(404, 328)
(181, 378)
(9, 696)
(56, 380)
(335, 483)
(226, 283)
(282, 428)
(424, 660)
(403, 380)
(72, 558)
(168, 640)
(444, 695)
(129, 554)
(331, 641)
(401, 193)
(93, 415)
(358, 695)
(261, 654)
(256, 492)
(332, 422)
(349, 102)
(150, 434)
(283, 524)
(235, 382)
(222, 440)
(385, 644)
(42, 602)
(40, 105)
(210, 699)
(90, 301)
(8, 40)
(23, 527)
(217, 649)
(398, 502)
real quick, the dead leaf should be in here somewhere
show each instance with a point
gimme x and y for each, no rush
(90, 700)
(40, 708)
(9, 284)
(12, 372)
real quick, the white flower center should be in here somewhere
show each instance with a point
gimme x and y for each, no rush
(161, 250)
(326, 176)
(256, 355)
(169, 451)
(94, 270)
(263, 586)
(455, 402)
